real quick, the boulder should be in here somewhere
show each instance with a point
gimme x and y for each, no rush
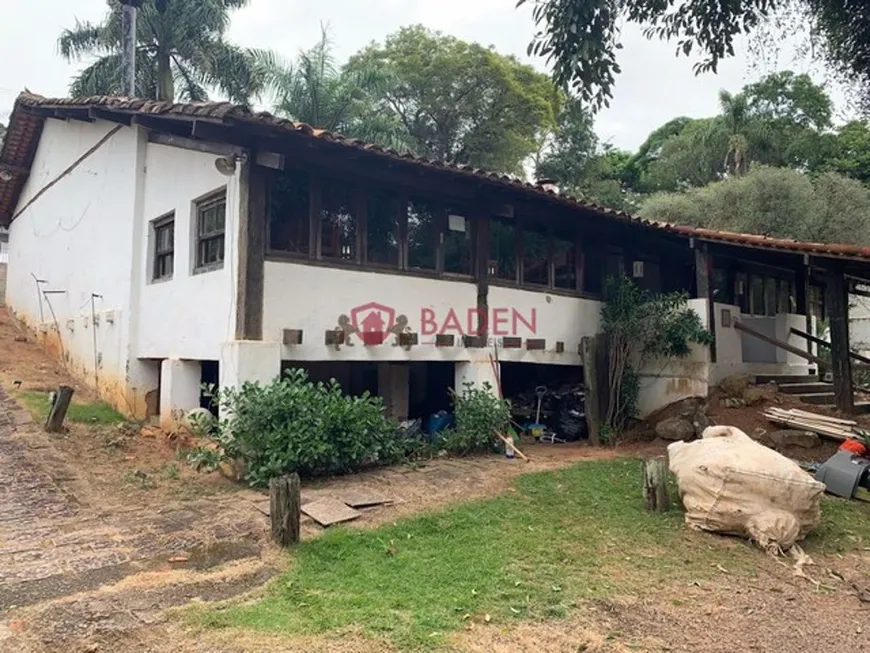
(757, 394)
(734, 385)
(794, 438)
(675, 428)
(731, 402)
(700, 421)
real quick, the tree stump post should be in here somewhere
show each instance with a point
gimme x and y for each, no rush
(655, 484)
(57, 411)
(284, 509)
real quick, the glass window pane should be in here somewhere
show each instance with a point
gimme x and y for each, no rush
(502, 249)
(422, 235)
(756, 295)
(741, 292)
(382, 228)
(338, 221)
(783, 304)
(289, 202)
(536, 259)
(565, 262)
(770, 296)
(457, 243)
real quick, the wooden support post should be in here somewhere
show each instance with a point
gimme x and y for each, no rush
(59, 406)
(704, 285)
(655, 484)
(802, 299)
(284, 509)
(588, 347)
(837, 301)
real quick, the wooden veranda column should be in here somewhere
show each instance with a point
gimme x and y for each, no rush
(802, 299)
(704, 289)
(837, 302)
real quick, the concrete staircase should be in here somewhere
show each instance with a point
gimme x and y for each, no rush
(808, 388)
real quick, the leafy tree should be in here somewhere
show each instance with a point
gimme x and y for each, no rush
(573, 157)
(693, 157)
(315, 90)
(180, 47)
(773, 201)
(580, 38)
(849, 151)
(460, 101)
(570, 148)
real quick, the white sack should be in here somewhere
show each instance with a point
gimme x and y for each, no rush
(731, 484)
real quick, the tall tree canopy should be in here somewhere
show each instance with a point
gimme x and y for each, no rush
(776, 202)
(460, 101)
(314, 89)
(181, 51)
(782, 120)
(581, 37)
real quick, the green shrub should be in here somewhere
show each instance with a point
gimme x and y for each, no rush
(296, 425)
(479, 415)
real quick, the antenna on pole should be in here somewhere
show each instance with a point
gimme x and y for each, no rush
(128, 46)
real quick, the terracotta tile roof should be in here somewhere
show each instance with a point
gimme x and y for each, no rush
(25, 128)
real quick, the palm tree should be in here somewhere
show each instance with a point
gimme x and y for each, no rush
(735, 113)
(315, 90)
(180, 51)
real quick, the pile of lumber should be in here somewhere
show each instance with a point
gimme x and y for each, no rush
(832, 428)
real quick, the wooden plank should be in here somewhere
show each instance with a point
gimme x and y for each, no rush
(826, 431)
(778, 343)
(825, 418)
(824, 343)
(327, 512)
(837, 301)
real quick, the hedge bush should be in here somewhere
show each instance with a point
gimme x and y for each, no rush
(296, 425)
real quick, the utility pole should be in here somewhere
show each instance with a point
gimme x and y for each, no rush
(128, 46)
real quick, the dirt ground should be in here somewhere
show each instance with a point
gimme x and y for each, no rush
(103, 530)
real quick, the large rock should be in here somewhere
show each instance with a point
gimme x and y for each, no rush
(675, 428)
(758, 394)
(734, 386)
(794, 438)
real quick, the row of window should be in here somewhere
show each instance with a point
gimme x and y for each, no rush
(755, 293)
(210, 226)
(334, 220)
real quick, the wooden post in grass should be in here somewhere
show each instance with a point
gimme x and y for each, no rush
(655, 484)
(57, 411)
(284, 509)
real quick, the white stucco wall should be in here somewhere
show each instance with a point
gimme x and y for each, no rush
(90, 233)
(77, 237)
(739, 353)
(190, 315)
(311, 298)
(859, 324)
(663, 382)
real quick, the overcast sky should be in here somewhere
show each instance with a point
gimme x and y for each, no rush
(654, 86)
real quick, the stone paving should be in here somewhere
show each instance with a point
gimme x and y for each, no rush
(57, 538)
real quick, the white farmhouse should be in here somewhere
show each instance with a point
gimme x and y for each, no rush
(158, 246)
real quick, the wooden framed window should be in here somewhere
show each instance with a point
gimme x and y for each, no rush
(503, 249)
(289, 212)
(422, 236)
(338, 224)
(456, 243)
(211, 215)
(536, 255)
(163, 233)
(566, 264)
(382, 228)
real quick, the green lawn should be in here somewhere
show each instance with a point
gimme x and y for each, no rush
(556, 539)
(97, 412)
